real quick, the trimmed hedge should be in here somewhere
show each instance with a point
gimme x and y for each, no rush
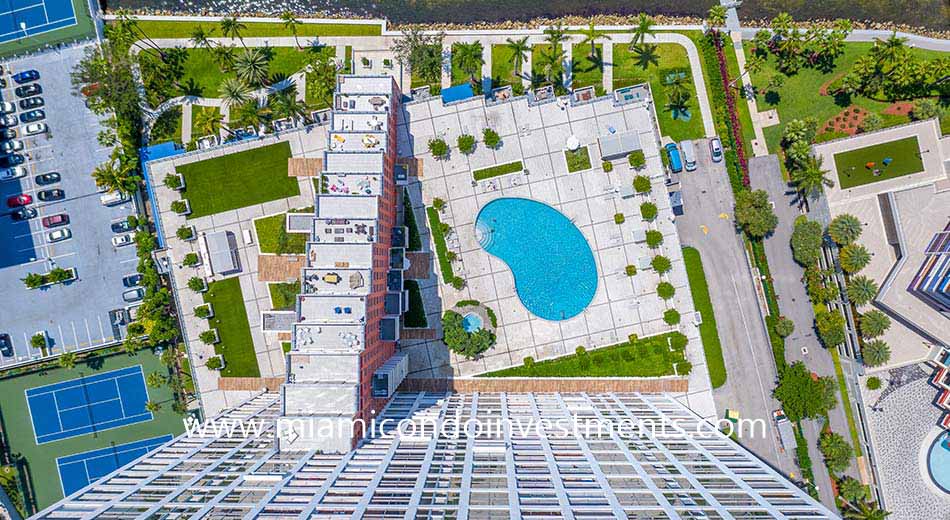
(442, 250)
(495, 171)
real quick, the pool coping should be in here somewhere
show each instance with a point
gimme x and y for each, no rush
(923, 460)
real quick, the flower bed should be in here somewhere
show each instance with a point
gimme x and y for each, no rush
(734, 127)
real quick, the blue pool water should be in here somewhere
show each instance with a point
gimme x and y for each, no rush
(553, 266)
(939, 461)
(471, 322)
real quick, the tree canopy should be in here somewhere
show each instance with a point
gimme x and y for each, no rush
(754, 213)
(464, 343)
(803, 397)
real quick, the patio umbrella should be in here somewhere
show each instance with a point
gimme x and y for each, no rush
(573, 143)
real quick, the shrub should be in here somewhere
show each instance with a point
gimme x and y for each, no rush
(619, 219)
(185, 233)
(528, 361)
(637, 159)
(678, 341)
(58, 275)
(214, 363)
(208, 337)
(466, 144)
(580, 351)
(806, 242)
(467, 344)
(671, 316)
(665, 290)
(784, 327)
(830, 325)
(34, 280)
(648, 211)
(872, 122)
(491, 138)
(135, 329)
(38, 340)
(641, 183)
(172, 181)
(926, 108)
(836, 450)
(803, 397)
(630, 270)
(179, 206)
(654, 239)
(191, 260)
(661, 264)
(438, 204)
(608, 166)
(874, 323)
(202, 312)
(873, 383)
(196, 283)
(438, 148)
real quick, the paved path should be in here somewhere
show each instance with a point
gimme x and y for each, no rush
(751, 374)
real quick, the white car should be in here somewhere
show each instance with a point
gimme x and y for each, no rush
(9, 120)
(7, 107)
(59, 235)
(11, 146)
(122, 240)
(35, 128)
(14, 172)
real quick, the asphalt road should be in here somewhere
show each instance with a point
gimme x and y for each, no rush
(707, 225)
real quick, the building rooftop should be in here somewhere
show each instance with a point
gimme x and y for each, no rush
(336, 281)
(353, 184)
(357, 141)
(351, 84)
(339, 254)
(339, 207)
(366, 161)
(332, 308)
(359, 122)
(337, 230)
(329, 337)
(222, 252)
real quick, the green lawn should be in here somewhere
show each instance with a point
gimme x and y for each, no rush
(503, 66)
(197, 112)
(577, 160)
(176, 29)
(167, 127)
(416, 315)
(703, 304)
(647, 357)
(230, 318)
(41, 459)
(846, 403)
(495, 171)
(203, 75)
(83, 28)
(272, 236)
(459, 77)
(585, 71)
(238, 180)
(537, 67)
(671, 58)
(283, 296)
(309, 98)
(799, 97)
(851, 164)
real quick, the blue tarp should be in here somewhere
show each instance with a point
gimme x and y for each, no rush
(457, 93)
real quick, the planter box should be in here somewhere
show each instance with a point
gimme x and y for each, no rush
(217, 338)
(187, 208)
(206, 306)
(72, 276)
(181, 180)
(222, 362)
(198, 263)
(194, 233)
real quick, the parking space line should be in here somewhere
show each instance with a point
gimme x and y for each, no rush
(101, 330)
(75, 336)
(62, 336)
(88, 334)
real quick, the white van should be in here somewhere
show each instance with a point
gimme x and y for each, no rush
(689, 155)
(112, 198)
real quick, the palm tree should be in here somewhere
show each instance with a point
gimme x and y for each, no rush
(286, 104)
(865, 510)
(232, 28)
(556, 34)
(854, 257)
(861, 290)
(889, 52)
(116, 175)
(291, 22)
(643, 28)
(716, 17)
(199, 37)
(68, 360)
(520, 50)
(234, 92)
(154, 380)
(223, 55)
(844, 229)
(646, 55)
(552, 63)
(209, 121)
(468, 57)
(591, 35)
(782, 25)
(251, 66)
(678, 97)
(153, 406)
(874, 323)
(811, 178)
(876, 353)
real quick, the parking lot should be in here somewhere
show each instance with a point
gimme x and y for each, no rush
(74, 315)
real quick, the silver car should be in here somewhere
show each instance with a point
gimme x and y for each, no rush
(59, 235)
(715, 149)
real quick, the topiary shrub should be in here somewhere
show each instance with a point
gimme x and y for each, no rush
(619, 219)
(665, 290)
(784, 327)
(648, 211)
(637, 159)
(631, 270)
(438, 148)
(661, 264)
(873, 383)
(641, 183)
(671, 316)
(654, 239)
(466, 144)
(608, 167)
(491, 138)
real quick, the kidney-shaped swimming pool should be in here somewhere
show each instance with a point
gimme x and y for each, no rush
(553, 266)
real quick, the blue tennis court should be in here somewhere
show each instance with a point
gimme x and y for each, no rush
(25, 18)
(88, 404)
(81, 469)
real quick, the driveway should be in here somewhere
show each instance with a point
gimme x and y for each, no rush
(707, 225)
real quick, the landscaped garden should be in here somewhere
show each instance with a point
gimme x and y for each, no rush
(647, 357)
(185, 29)
(503, 66)
(416, 315)
(854, 168)
(236, 345)
(587, 70)
(497, 170)
(238, 180)
(283, 296)
(577, 160)
(272, 235)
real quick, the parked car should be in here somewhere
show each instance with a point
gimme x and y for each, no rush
(3, 83)
(673, 152)
(132, 280)
(112, 198)
(32, 115)
(52, 194)
(6, 345)
(7, 107)
(118, 317)
(59, 219)
(9, 120)
(11, 146)
(688, 151)
(26, 76)
(48, 178)
(23, 214)
(121, 226)
(19, 200)
(59, 235)
(25, 91)
(133, 295)
(11, 160)
(715, 149)
(35, 128)
(122, 240)
(8, 133)
(33, 102)
(14, 172)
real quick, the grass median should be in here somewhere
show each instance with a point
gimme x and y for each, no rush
(707, 330)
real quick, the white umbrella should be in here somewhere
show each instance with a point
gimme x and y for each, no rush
(573, 143)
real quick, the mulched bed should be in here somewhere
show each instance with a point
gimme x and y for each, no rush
(847, 121)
